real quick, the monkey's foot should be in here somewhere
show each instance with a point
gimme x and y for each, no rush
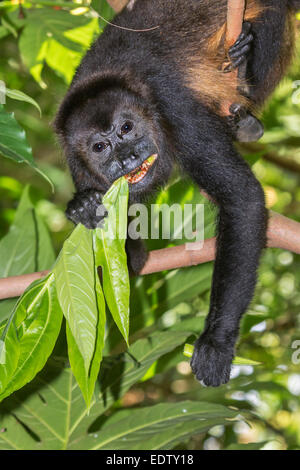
(86, 208)
(210, 363)
(245, 126)
(239, 52)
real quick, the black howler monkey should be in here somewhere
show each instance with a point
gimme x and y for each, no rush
(160, 93)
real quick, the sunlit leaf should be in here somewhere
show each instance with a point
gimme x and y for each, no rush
(48, 37)
(30, 335)
(75, 281)
(156, 427)
(109, 243)
(87, 381)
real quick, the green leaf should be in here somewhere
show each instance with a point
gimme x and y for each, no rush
(109, 243)
(61, 59)
(250, 446)
(156, 427)
(155, 294)
(51, 408)
(13, 143)
(76, 281)
(3, 32)
(10, 353)
(6, 307)
(48, 37)
(189, 350)
(30, 335)
(20, 96)
(26, 248)
(104, 9)
(244, 361)
(9, 25)
(87, 382)
(119, 373)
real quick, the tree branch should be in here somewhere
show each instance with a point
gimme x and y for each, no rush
(117, 5)
(282, 233)
(284, 162)
(235, 18)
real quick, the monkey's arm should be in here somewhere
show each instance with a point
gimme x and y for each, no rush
(86, 208)
(215, 165)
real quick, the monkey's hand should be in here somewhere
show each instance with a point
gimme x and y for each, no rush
(239, 52)
(86, 208)
(211, 361)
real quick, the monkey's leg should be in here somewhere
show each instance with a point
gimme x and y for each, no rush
(227, 178)
(84, 208)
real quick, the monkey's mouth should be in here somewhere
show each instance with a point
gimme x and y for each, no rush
(140, 172)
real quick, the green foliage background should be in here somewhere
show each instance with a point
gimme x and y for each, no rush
(41, 45)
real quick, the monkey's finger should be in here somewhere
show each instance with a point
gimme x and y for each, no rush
(245, 31)
(233, 53)
(238, 61)
(237, 48)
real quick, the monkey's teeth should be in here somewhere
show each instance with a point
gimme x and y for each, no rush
(139, 173)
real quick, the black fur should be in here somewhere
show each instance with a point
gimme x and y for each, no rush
(139, 73)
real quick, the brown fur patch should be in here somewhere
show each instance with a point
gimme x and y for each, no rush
(204, 74)
(214, 87)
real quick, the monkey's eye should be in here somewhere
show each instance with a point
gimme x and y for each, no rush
(99, 147)
(126, 128)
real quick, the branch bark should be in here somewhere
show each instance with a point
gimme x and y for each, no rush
(117, 5)
(282, 233)
(284, 162)
(235, 18)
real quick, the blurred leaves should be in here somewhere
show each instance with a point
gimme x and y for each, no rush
(13, 143)
(30, 335)
(26, 248)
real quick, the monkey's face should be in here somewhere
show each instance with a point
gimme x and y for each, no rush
(122, 140)
(127, 147)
